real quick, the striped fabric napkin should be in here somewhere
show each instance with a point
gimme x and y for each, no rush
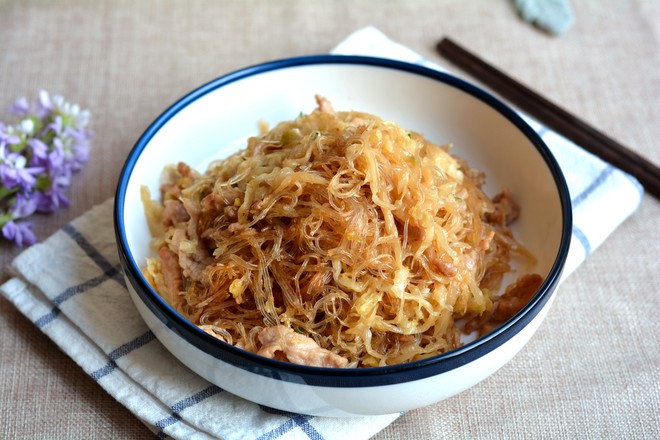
(81, 303)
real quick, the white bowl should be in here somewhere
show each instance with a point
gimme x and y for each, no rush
(214, 121)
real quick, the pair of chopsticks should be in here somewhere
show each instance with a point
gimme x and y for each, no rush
(555, 117)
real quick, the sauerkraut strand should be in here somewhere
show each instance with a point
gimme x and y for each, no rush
(337, 231)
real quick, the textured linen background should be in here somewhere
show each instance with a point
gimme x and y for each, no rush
(592, 369)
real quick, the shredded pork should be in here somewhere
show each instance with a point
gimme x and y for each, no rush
(297, 348)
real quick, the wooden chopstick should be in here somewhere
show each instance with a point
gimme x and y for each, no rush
(555, 117)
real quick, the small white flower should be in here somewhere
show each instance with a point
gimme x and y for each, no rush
(27, 126)
(57, 101)
(19, 162)
(83, 118)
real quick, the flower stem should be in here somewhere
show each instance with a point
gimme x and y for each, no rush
(6, 192)
(5, 218)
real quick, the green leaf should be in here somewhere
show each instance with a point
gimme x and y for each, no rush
(6, 192)
(5, 218)
(43, 183)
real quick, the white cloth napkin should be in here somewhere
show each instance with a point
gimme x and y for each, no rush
(71, 287)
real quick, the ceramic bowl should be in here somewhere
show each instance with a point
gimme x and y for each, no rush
(214, 121)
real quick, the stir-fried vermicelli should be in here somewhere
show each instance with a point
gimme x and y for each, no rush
(336, 239)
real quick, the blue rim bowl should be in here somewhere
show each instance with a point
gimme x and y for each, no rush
(369, 378)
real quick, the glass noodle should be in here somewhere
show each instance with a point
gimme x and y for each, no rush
(336, 239)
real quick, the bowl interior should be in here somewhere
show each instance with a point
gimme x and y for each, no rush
(215, 120)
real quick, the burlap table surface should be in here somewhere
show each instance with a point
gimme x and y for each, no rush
(592, 371)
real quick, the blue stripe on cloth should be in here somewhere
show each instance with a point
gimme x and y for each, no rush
(104, 371)
(295, 421)
(70, 292)
(109, 272)
(162, 424)
(92, 252)
(584, 195)
(123, 350)
(594, 185)
(582, 238)
(181, 405)
(132, 345)
(47, 318)
(74, 290)
(87, 247)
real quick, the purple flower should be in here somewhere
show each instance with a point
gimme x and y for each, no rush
(72, 142)
(54, 197)
(44, 105)
(80, 155)
(14, 173)
(25, 206)
(56, 125)
(7, 137)
(57, 156)
(20, 107)
(39, 154)
(52, 200)
(20, 232)
(78, 149)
